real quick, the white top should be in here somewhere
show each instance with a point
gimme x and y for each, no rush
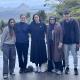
(6, 38)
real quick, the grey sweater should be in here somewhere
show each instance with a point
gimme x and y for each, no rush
(6, 39)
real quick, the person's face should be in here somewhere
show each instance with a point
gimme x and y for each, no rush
(52, 21)
(36, 18)
(12, 23)
(23, 18)
(66, 16)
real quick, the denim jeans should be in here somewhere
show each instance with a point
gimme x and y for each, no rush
(72, 48)
(9, 57)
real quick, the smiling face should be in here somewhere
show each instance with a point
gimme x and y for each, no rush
(12, 23)
(23, 18)
(66, 16)
(36, 18)
(52, 21)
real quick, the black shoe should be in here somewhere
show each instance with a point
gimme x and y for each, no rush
(12, 74)
(5, 76)
(75, 71)
(21, 71)
(30, 68)
(26, 70)
(67, 70)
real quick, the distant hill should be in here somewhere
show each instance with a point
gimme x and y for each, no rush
(6, 13)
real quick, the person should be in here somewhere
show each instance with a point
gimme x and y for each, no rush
(22, 43)
(70, 40)
(55, 38)
(38, 47)
(8, 47)
(50, 43)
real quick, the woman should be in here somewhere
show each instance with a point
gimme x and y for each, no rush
(38, 46)
(50, 43)
(8, 48)
(55, 44)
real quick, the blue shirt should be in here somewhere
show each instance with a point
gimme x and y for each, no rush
(22, 32)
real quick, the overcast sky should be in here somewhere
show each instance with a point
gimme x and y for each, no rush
(14, 3)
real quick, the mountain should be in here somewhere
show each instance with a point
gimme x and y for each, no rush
(9, 12)
(6, 13)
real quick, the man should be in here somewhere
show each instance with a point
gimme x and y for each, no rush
(22, 42)
(70, 40)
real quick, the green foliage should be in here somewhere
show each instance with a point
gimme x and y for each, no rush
(28, 15)
(72, 5)
(2, 25)
(42, 15)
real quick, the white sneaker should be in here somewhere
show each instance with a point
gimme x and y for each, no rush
(39, 69)
(12, 74)
(5, 76)
(54, 71)
(36, 69)
(58, 72)
(43, 71)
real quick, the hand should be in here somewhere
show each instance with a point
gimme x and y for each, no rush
(1, 47)
(60, 45)
(77, 47)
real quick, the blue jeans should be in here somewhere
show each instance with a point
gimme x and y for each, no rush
(72, 48)
(9, 57)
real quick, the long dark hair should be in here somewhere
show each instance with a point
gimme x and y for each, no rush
(34, 16)
(11, 30)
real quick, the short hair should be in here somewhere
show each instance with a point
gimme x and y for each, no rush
(22, 15)
(66, 12)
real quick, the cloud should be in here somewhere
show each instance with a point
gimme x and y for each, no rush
(30, 3)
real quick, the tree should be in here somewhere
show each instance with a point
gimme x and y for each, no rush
(72, 5)
(2, 25)
(42, 15)
(28, 15)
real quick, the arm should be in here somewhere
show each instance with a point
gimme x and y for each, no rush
(3, 36)
(48, 42)
(45, 31)
(76, 31)
(61, 36)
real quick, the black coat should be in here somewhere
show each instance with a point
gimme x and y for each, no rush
(70, 32)
(38, 46)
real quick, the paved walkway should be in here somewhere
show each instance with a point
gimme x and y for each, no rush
(41, 76)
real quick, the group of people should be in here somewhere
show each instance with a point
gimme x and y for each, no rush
(61, 38)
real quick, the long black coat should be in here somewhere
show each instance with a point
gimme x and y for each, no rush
(38, 47)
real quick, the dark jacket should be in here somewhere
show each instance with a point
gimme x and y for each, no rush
(50, 27)
(21, 31)
(49, 32)
(70, 32)
(49, 40)
(57, 37)
(38, 46)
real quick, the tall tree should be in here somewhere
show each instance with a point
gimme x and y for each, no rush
(2, 25)
(72, 5)
(42, 15)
